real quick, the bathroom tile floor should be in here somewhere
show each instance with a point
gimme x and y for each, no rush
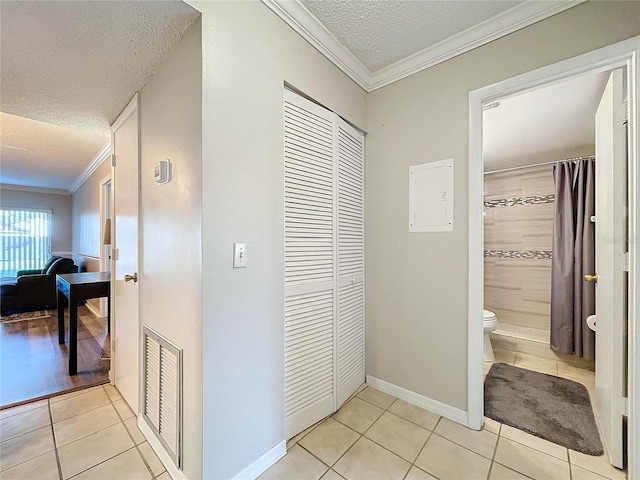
(85, 434)
(376, 436)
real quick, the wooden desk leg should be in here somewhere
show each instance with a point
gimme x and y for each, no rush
(73, 334)
(61, 299)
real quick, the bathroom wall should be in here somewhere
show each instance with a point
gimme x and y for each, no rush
(518, 232)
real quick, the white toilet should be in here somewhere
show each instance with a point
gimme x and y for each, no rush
(490, 323)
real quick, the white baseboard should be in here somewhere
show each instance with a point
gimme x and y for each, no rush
(262, 464)
(427, 403)
(160, 451)
(92, 308)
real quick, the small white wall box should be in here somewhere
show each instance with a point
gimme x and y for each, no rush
(431, 197)
(162, 172)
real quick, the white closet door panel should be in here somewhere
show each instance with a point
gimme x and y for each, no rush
(350, 261)
(308, 359)
(309, 263)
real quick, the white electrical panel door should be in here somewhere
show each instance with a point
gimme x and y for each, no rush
(309, 263)
(431, 197)
(350, 305)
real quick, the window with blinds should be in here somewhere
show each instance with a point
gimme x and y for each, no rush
(25, 239)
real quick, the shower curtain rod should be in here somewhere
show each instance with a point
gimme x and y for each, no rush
(574, 159)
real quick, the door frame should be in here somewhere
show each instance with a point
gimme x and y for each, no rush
(622, 54)
(132, 108)
(106, 207)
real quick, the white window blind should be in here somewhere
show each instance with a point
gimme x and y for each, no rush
(25, 239)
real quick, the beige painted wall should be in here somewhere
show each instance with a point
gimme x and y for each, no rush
(416, 309)
(86, 221)
(86, 242)
(171, 221)
(60, 205)
(248, 55)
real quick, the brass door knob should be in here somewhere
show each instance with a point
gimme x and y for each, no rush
(591, 278)
(134, 277)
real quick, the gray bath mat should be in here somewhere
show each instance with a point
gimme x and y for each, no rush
(546, 406)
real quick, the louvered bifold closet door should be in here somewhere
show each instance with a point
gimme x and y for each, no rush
(309, 263)
(350, 321)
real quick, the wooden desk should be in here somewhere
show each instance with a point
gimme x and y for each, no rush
(76, 287)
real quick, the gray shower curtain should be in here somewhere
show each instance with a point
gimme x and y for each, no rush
(572, 298)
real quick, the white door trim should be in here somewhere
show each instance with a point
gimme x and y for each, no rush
(133, 107)
(105, 206)
(622, 54)
(130, 109)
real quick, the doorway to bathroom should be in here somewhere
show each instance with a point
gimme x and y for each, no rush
(525, 138)
(515, 260)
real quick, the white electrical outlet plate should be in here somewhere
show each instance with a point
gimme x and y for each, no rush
(239, 255)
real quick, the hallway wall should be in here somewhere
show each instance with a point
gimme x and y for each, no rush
(417, 283)
(248, 55)
(171, 220)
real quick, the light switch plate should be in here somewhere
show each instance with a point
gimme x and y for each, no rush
(239, 255)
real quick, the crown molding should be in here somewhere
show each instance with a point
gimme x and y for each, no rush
(21, 188)
(98, 160)
(305, 24)
(503, 24)
(308, 27)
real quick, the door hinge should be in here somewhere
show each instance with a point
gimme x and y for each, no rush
(622, 262)
(113, 159)
(621, 405)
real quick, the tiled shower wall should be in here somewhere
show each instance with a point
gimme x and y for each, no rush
(518, 230)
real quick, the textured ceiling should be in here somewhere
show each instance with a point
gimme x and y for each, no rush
(77, 64)
(545, 125)
(67, 71)
(381, 32)
(40, 154)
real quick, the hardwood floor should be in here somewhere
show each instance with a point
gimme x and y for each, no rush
(33, 365)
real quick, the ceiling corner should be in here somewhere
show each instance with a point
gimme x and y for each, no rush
(23, 188)
(308, 27)
(503, 24)
(98, 160)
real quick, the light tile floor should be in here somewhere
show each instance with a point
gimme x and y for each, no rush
(375, 436)
(92, 434)
(86, 434)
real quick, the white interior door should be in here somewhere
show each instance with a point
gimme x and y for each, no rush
(610, 248)
(309, 264)
(125, 294)
(350, 268)
(324, 262)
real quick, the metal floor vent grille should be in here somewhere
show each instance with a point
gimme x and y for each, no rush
(162, 395)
